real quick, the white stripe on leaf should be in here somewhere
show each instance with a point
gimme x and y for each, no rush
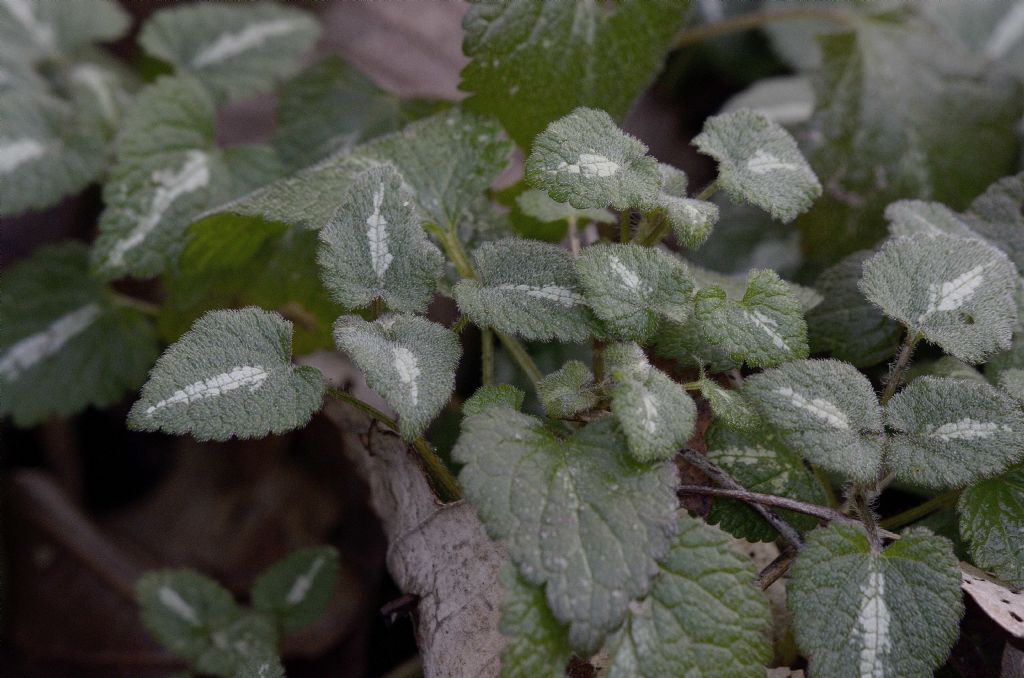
(173, 601)
(819, 408)
(16, 152)
(769, 326)
(873, 628)
(230, 45)
(555, 293)
(33, 349)
(377, 235)
(951, 295)
(591, 165)
(763, 162)
(304, 582)
(407, 367)
(967, 429)
(252, 376)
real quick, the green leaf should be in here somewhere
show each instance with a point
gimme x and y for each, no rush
(845, 324)
(951, 432)
(410, 361)
(251, 638)
(630, 288)
(946, 366)
(298, 589)
(998, 216)
(901, 112)
(787, 100)
(704, 615)
(374, 247)
(230, 375)
(526, 288)
(37, 30)
(568, 391)
(728, 405)
(685, 343)
(876, 604)
(606, 57)
(691, 220)
(655, 413)
(759, 163)
(761, 463)
(992, 521)
(234, 51)
(909, 217)
(162, 179)
(766, 327)
(580, 516)
(537, 644)
(536, 204)
(824, 410)
(956, 292)
(65, 344)
(45, 154)
(486, 397)
(586, 160)
(331, 107)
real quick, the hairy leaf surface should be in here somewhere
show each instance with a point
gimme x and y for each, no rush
(992, 522)
(537, 645)
(568, 390)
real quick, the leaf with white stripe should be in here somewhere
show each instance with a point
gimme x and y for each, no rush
(631, 288)
(759, 460)
(526, 288)
(764, 328)
(45, 154)
(234, 50)
(580, 516)
(229, 376)
(168, 171)
(65, 343)
(956, 292)
(656, 414)
(568, 390)
(824, 410)
(536, 643)
(703, 617)
(410, 361)
(691, 220)
(894, 613)
(31, 30)
(728, 405)
(184, 609)
(992, 522)
(374, 247)
(759, 163)
(951, 432)
(295, 591)
(845, 324)
(586, 160)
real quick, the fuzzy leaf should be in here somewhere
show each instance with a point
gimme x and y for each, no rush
(875, 603)
(580, 516)
(45, 154)
(235, 51)
(485, 397)
(845, 324)
(998, 216)
(787, 100)
(759, 163)
(408, 360)
(230, 375)
(65, 344)
(33, 31)
(956, 292)
(510, 44)
(825, 411)
(728, 405)
(766, 327)
(526, 288)
(536, 204)
(330, 107)
(909, 217)
(691, 220)
(537, 645)
(631, 288)
(297, 590)
(252, 638)
(992, 521)
(761, 463)
(951, 432)
(374, 247)
(568, 390)
(704, 615)
(161, 181)
(655, 413)
(685, 343)
(946, 366)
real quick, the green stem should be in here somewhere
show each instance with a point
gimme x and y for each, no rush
(754, 20)
(911, 515)
(574, 237)
(708, 191)
(145, 307)
(597, 359)
(860, 500)
(895, 377)
(487, 357)
(522, 358)
(460, 324)
(625, 217)
(442, 478)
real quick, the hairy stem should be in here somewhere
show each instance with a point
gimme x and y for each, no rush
(442, 479)
(574, 237)
(708, 191)
(754, 20)
(863, 505)
(487, 357)
(625, 217)
(823, 512)
(719, 476)
(945, 500)
(522, 358)
(895, 376)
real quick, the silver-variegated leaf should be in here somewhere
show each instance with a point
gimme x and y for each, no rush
(296, 590)
(728, 405)
(691, 220)
(568, 391)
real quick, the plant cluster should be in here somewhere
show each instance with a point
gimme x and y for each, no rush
(362, 209)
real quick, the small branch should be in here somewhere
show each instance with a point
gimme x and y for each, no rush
(460, 324)
(895, 376)
(754, 20)
(487, 357)
(822, 512)
(625, 217)
(574, 237)
(597, 359)
(725, 480)
(860, 501)
(144, 307)
(777, 568)
(708, 191)
(522, 358)
(945, 500)
(438, 472)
